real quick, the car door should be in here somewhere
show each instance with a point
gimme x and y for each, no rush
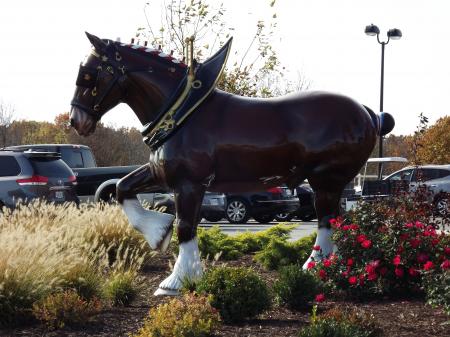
(9, 172)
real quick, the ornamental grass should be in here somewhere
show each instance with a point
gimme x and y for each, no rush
(46, 249)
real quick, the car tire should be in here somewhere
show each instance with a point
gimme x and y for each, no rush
(266, 218)
(213, 218)
(442, 205)
(237, 211)
(284, 217)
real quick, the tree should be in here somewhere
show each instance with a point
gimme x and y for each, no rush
(435, 143)
(6, 119)
(256, 72)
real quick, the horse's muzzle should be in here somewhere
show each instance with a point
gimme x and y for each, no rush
(82, 122)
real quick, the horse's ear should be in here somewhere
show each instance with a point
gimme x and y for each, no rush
(98, 43)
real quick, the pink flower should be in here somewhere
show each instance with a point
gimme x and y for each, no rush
(352, 280)
(399, 272)
(372, 276)
(447, 250)
(310, 265)
(419, 224)
(414, 243)
(317, 247)
(326, 263)
(428, 265)
(322, 274)
(435, 242)
(361, 279)
(422, 257)
(332, 222)
(409, 225)
(345, 227)
(344, 273)
(404, 236)
(396, 260)
(349, 262)
(354, 227)
(366, 244)
(413, 272)
(445, 265)
(360, 238)
(320, 298)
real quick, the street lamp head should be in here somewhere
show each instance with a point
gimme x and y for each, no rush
(372, 30)
(394, 34)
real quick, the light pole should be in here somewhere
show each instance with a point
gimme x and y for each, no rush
(393, 34)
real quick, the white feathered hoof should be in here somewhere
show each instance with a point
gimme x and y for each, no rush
(187, 268)
(156, 227)
(325, 245)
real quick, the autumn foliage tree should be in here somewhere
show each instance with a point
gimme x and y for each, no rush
(435, 143)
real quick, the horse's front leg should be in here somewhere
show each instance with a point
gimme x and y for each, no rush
(155, 226)
(188, 200)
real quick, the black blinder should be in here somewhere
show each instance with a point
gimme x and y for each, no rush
(87, 77)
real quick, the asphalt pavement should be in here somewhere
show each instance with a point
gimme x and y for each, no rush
(302, 228)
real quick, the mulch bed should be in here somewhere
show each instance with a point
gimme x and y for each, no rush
(396, 317)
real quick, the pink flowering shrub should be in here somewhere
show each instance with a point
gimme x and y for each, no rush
(384, 247)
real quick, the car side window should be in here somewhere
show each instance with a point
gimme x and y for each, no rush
(402, 175)
(9, 166)
(443, 173)
(72, 157)
(426, 174)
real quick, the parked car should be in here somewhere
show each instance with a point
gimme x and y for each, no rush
(306, 210)
(436, 178)
(25, 176)
(82, 161)
(262, 206)
(213, 205)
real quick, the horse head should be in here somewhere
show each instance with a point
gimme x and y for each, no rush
(115, 72)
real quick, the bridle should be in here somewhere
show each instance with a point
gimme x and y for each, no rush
(88, 78)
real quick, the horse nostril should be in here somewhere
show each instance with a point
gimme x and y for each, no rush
(72, 122)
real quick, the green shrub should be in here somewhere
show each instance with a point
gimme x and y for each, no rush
(189, 316)
(121, 288)
(213, 243)
(254, 242)
(238, 293)
(279, 252)
(67, 307)
(437, 288)
(296, 287)
(341, 322)
(85, 280)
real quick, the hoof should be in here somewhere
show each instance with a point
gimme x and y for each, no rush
(166, 240)
(166, 292)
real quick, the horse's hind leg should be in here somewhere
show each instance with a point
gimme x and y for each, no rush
(155, 226)
(327, 207)
(188, 200)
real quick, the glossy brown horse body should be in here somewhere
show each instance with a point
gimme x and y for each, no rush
(230, 143)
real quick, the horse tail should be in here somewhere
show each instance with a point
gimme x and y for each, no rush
(384, 122)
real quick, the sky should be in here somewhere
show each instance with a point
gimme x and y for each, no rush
(43, 42)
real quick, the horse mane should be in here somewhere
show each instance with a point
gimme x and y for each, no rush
(153, 54)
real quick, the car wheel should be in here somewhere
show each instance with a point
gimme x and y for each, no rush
(237, 211)
(264, 218)
(284, 217)
(213, 218)
(442, 205)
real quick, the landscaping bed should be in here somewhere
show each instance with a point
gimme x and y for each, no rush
(410, 317)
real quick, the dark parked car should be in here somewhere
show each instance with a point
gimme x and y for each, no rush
(213, 204)
(25, 176)
(89, 176)
(262, 206)
(306, 210)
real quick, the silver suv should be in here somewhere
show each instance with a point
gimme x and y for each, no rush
(25, 176)
(435, 177)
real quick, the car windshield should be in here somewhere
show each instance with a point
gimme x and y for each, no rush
(50, 167)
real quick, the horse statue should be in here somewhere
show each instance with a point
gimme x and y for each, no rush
(202, 138)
